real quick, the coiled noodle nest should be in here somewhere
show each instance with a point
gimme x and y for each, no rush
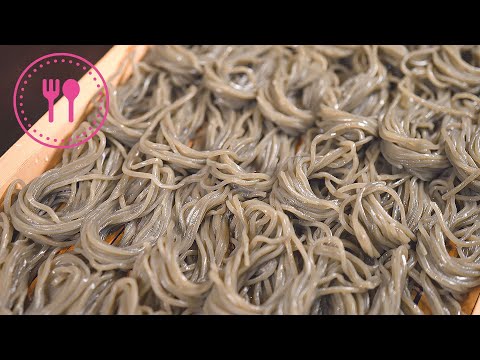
(261, 180)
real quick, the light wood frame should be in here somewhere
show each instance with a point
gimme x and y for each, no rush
(27, 159)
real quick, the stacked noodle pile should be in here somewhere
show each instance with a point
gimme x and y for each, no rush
(261, 180)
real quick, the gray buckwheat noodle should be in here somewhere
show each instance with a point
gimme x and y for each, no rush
(261, 180)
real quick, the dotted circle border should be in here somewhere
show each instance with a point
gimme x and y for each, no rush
(92, 66)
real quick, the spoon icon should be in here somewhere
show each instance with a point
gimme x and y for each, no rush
(70, 90)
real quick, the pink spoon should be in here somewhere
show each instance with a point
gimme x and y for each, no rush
(70, 90)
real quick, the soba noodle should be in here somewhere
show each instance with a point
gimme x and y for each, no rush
(261, 180)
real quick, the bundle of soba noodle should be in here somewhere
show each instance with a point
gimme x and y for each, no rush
(261, 180)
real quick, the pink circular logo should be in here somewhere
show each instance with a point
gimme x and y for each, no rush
(48, 79)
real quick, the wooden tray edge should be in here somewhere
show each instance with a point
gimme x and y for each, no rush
(27, 159)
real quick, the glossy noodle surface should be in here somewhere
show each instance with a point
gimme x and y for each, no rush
(261, 180)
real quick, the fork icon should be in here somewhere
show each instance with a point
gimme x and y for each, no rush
(50, 93)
